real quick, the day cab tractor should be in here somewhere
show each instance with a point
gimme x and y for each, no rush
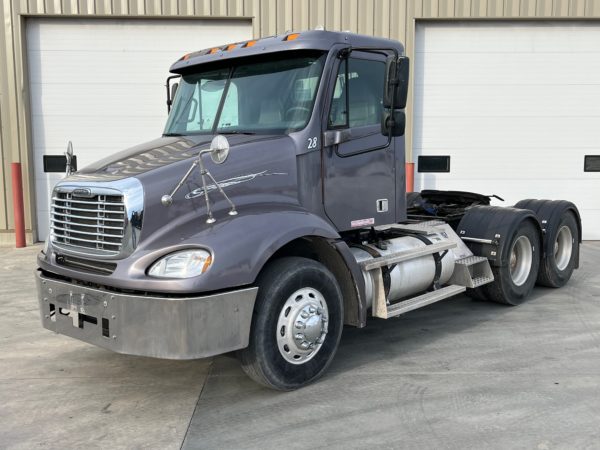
(272, 211)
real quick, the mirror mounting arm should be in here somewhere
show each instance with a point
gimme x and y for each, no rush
(169, 96)
(69, 159)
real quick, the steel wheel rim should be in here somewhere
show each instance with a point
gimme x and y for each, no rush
(563, 247)
(521, 257)
(302, 326)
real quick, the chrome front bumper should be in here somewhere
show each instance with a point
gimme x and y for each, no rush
(161, 327)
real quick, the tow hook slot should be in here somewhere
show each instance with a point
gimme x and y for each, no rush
(78, 318)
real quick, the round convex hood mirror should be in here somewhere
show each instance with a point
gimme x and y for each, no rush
(219, 149)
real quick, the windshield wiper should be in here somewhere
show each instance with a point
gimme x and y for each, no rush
(173, 134)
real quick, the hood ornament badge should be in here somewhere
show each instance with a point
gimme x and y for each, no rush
(219, 151)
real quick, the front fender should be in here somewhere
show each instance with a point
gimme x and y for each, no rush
(240, 245)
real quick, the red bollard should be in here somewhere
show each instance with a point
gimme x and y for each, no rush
(410, 177)
(17, 188)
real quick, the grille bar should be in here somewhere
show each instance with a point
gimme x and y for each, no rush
(95, 225)
(72, 200)
(86, 217)
(87, 225)
(70, 230)
(111, 211)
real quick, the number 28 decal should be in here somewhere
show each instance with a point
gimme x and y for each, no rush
(312, 142)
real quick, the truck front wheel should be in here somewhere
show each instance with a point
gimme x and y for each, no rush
(296, 326)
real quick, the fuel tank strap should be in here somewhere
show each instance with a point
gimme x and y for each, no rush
(437, 258)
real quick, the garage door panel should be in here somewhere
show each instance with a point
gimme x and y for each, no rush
(90, 97)
(508, 69)
(100, 83)
(466, 164)
(78, 67)
(515, 106)
(478, 100)
(516, 38)
(118, 133)
(509, 134)
(170, 36)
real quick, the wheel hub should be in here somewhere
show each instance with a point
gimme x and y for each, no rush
(563, 247)
(302, 325)
(521, 258)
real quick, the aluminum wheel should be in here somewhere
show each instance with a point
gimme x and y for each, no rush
(563, 247)
(521, 256)
(302, 326)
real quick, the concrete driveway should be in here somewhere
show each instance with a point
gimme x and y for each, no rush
(458, 374)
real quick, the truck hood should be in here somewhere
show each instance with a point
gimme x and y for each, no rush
(155, 154)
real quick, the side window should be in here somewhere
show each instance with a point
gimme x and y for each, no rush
(358, 94)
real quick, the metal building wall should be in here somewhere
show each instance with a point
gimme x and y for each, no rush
(387, 18)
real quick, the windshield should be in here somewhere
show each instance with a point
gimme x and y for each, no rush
(268, 97)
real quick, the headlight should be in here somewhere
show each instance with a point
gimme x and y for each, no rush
(183, 264)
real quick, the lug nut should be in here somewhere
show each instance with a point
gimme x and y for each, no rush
(300, 325)
(304, 315)
(299, 336)
(312, 310)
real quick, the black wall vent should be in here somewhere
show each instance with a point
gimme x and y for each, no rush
(58, 163)
(591, 163)
(434, 164)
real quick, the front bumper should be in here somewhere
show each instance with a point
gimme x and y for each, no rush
(161, 327)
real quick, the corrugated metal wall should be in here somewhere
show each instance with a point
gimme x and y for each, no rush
(387, 18)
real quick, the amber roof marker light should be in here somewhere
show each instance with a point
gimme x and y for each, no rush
(291, 37)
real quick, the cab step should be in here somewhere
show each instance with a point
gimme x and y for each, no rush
(423, 300)
(472, 272)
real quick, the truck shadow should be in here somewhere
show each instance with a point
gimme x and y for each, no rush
(378, 368)
(397, 343)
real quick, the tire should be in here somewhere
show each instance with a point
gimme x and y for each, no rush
(476, 294)
(290, 292)
(562, 247)
(514, 281)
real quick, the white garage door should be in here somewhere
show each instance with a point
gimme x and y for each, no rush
(516, 106)
(100, 84)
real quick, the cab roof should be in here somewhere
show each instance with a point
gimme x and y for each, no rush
(304, 40)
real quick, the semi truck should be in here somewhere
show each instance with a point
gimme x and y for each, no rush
(272, 212)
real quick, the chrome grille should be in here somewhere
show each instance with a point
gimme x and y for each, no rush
(94, 224)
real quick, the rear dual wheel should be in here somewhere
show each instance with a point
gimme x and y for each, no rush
(561, 251)
(515, 279)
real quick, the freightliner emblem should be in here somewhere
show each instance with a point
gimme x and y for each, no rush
(82, 192)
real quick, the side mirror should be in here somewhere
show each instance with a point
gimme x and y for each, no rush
(174, 87)
(395, 86)
(219, 149)
(394, 123)
(171, 91)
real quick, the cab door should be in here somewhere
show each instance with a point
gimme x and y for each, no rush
(358, 165)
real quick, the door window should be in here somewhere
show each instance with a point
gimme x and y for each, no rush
(358, 94)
